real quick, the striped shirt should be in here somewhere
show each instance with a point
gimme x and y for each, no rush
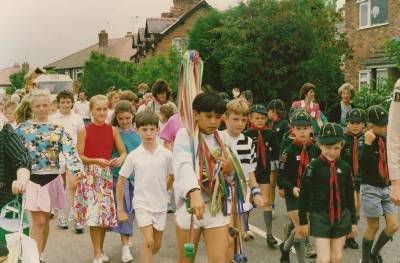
(13, 156)
(244, 149)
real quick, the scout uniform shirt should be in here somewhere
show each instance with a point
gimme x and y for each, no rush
(290, 169)
(315, 189)
(347, 155)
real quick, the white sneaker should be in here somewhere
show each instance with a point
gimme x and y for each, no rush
(126, 255)
(130, 243)
(105, 258)
(97, 260)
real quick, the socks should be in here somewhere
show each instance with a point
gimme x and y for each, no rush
(289, 242)
(366, 250)
(268, 221)
(299, 246)
(380, 243)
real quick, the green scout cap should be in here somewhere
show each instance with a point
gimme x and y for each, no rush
(330, 133)
(355, 115)
(377, 115)
(248, 95)
(301, 118)
(259, 108)
(276, 104)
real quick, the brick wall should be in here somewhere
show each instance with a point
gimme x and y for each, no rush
(181, 30)
(364, 41)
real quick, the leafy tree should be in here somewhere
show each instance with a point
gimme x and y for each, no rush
(272, 48)
(393, 50)
(18, 80)
(101, 73)
(153, 68)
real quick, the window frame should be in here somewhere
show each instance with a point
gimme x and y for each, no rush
(369, 25)
(368, 72)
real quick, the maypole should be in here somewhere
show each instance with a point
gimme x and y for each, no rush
(190, 78)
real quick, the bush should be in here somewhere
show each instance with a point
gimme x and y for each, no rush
(382, 95)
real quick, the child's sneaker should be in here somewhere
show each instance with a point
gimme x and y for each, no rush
(375, 258)
(285, 256)
(97, 260)
(62, 223)
(310, 251)
(126, 255)
(271, 241)
(78, 228)
(104, 258)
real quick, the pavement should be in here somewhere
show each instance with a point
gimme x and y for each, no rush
(64, 246)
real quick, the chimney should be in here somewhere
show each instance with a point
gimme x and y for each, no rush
(103, 39)
(25, 66)
(183, 6)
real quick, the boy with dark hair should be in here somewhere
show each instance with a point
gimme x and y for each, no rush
(293, 162)
(355, 119)
(151, 166)
(375, 186)
(327, 195)
(201, 162)
(267, 154)
(277, 118)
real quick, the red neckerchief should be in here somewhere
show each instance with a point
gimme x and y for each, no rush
(355, 153)
(261, 149)
(273, 123)
(382, 162)
(207, 160)
(333, 191)
(304, 160)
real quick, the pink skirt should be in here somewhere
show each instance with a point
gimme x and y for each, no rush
(44, 198)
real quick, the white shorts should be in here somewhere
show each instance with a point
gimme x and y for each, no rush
(182, 218)
(146, 218)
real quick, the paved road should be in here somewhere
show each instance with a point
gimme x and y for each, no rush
(66, 247)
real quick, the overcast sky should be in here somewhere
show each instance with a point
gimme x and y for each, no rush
(42, 31)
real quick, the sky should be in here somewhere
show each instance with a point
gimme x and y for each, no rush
(43, 31)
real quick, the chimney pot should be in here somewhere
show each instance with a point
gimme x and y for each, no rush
(103, 38)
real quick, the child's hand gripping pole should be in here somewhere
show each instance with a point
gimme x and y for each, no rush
(189, 248)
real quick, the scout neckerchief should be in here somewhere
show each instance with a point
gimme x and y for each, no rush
(261, 149)
(304, 160)
(382, 162)
(334, 194)
(355, 153)
(273, 123)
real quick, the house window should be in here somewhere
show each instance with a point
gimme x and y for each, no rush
(76, 73)
(364, 79)
(381, 77)
(373, 13)
(180, 43)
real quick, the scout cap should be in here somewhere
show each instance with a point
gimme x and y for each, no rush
(377, 115)
(355, 115)
(259, 109)
(276, 104)
(330, 133)
(301, 118)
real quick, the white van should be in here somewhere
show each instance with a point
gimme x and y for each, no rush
(54, 83)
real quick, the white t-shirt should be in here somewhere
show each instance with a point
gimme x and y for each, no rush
(150, 171)
(184, 173)
(82, 108)
(110, 114)
(72, 123)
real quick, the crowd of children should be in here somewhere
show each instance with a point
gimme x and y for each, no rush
(115, 159)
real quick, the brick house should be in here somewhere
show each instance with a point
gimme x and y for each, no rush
(73, 64)
(171, 29)
(369, 24)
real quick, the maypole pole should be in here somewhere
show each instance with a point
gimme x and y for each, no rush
(190, 79)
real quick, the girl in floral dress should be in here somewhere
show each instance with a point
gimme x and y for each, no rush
(94, 200)
(44, 141)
